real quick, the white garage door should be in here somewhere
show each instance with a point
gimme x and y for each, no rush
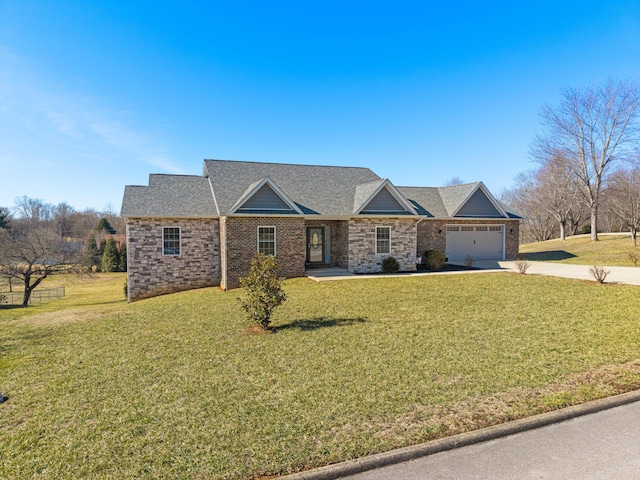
(483, 242)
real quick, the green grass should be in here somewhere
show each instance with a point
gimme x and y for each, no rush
(611, 250)
(178, 387)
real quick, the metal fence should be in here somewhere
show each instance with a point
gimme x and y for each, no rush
(38, 295)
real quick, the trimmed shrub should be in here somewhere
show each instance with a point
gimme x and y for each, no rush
(390, 265)
(435, 259)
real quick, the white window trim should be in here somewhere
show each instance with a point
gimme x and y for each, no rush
(179, 242)
(275, 243)
(376, 240)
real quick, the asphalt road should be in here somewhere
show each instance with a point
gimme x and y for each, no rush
(602, 445)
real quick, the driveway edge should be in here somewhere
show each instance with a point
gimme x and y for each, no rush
(371, 462)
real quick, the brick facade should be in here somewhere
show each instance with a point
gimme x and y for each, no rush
(240, 244)
(362, 244)
(432, 234)
(338, 240)
(218, 252)
(150, 273)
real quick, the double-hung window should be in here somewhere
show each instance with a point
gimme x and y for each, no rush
(267, 240)
(383, 240)
(171, 241)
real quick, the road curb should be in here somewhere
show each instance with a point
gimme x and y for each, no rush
(352, 467)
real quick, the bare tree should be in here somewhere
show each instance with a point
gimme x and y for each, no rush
(63, 215)
(34, 209)
(453, 181)
(538, 224)
(593, 128)
(32, 251)
(557, 191)
(623, 199)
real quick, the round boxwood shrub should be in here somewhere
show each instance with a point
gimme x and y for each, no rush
(435, 259)
(390, 265)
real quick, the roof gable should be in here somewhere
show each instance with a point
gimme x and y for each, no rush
(313, 189)
(480, 203)
(453, 197)
(381, 197)
(265, 197)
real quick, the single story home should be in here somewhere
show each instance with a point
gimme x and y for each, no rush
(191, 231)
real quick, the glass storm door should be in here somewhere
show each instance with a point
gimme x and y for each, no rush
(315, 244)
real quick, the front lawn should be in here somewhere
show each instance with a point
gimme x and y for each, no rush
(179, 387)
(610, 249)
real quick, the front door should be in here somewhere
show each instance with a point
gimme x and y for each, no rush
(315, 245)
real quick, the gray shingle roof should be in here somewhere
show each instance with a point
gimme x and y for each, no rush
(439, 202)
(316, 189)
(454, 196)
(170, 196)
(323, 190)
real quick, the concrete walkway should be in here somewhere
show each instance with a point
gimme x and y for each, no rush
(626, 275)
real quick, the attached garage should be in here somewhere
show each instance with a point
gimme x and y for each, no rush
(482, 242)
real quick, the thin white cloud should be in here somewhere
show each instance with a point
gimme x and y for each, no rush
(87, 126)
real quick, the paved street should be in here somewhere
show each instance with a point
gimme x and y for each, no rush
(603, 445)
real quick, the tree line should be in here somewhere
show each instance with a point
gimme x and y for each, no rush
(587, 174)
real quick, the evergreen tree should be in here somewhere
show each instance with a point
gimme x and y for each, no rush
(123, 258)
(104, 224)
(4, 218)
(110, 257)
(101, 247)
(91, 255)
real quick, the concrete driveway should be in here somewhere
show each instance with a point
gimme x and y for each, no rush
(626, 275)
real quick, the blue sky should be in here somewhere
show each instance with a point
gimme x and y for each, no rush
(96, 95)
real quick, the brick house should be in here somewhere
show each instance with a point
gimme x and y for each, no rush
(187, 231)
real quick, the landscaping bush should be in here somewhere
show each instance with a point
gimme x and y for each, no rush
(435, 259)
(599, 273)
(522, 265)
(263, 290)
(390, 265)
(468, 261)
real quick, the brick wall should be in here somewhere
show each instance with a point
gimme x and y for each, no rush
(242, 244)
(512, 239)
(362, 244)
(432, 234)
(150, 273)
(338, 240)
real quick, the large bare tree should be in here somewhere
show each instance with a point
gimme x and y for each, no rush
(556, 190)
(593, 128)
(538, 224)
(32, 252)
(623, 199)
